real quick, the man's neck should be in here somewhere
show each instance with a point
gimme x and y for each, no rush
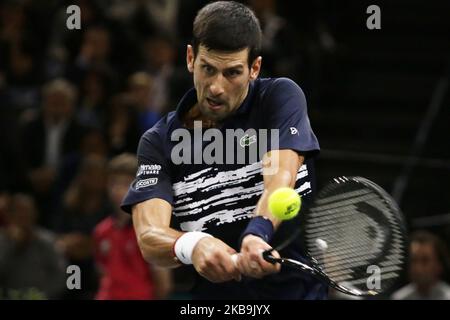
(194, 114)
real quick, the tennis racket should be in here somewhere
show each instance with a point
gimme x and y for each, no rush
(354, 236)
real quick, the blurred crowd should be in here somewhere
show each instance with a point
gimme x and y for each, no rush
(73, 105)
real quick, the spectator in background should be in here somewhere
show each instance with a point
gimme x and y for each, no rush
(50, 136)
(30, 265)
(169, 80)
(122, 129)
(93, 143)
(147, 17)
(94, 91)
(140, 94)
(64, 44)
(281, 53)
(84, 206)
(427, 266)
(20, 55)
(171, 18)
(94, 54)
(124, 273)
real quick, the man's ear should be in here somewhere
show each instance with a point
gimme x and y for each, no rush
(255, 68)
(190, 58)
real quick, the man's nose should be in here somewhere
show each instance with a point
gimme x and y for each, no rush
(217, 87)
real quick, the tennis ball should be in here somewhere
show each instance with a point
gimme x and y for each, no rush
(284, 203)
(321, 244)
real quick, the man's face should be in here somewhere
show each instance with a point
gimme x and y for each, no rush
(221, 80)
(425, 267)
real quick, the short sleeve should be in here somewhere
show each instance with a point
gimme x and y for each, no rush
(286, 110)
(153, 176)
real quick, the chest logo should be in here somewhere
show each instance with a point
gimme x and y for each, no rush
(293, 130)
(247, 140)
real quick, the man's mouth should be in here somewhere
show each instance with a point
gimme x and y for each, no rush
(214, 104)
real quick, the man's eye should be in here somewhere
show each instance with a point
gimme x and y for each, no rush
(233, 73)
(208, 69)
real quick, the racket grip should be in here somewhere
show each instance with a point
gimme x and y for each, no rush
(267, 255)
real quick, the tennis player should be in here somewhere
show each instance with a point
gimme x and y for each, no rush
(190, 211)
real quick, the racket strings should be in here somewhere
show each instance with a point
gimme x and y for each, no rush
(359, 228)
(327, 216)
(321, 209)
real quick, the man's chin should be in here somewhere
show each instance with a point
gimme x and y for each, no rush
(215, 115)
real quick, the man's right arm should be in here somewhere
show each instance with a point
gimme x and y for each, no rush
(211, 257)
(151, 221)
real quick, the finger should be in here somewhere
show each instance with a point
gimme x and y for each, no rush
(223, 268)
(251, 267)
(235, 258)
(258, 267)
(235, 270)
(262, 262)
(242, 263)
(228, 265)
(257, 259)
(266, 266)
(211, 271)
(207, 275)
(214, 276)
(226, 268)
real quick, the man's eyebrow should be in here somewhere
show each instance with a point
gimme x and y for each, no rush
(237, 66)
(205, 62)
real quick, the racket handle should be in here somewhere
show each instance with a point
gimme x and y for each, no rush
(267, 255)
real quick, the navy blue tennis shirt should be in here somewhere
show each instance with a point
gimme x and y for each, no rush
(219, 197)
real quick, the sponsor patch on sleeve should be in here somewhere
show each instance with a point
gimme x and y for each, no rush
(148, 169)
(146, 183)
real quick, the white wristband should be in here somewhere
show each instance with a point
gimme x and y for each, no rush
(184, 246)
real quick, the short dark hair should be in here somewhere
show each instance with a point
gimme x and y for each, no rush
(227, 26)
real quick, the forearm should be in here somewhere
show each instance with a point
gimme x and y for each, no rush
(279, 170)
(156, 244)
(155, 238)
(285, 176)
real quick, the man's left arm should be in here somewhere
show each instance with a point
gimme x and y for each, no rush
(285, 108)
(280, 169)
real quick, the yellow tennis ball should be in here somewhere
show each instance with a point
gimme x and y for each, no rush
(284, 203)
